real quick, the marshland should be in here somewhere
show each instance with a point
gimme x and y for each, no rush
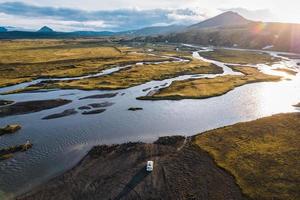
(70, 96)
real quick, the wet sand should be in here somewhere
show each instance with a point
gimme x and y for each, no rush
(100, 96)
(31, 106)
(65, 113)
(5, 102)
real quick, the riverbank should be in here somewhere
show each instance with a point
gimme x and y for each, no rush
(251, 160)
(288, 71)
(263, 155)
(210, 87)
(239, 57)
(181, 170)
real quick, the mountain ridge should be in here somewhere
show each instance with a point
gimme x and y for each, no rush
(45, 29)
(228, 18)
(243, 33)
(46, 32)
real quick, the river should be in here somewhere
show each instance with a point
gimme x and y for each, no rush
(60, 143)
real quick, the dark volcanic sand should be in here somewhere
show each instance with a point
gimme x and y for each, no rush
(31, 106)
(146, 89)
(65, 113)
(5, 102)
(92, 112)
(181, 171)
(100, 96)
(135, 108)
(101, 105)
(84, 108)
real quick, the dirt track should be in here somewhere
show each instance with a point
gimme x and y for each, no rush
(181, 171)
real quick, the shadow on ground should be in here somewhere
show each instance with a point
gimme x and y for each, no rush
(136, 179)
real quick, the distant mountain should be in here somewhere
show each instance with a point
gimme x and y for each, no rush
(45, 29)
(92, 33)
(232, 30)
(2, 29)
(154, 30)
(14, 28)
(46, 32)
(225, 19)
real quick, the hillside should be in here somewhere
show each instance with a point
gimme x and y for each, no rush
(45, 29)
(224, 19)
(154, 30)
(232, 30)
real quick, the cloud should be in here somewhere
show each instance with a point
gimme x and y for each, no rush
(94, 5)
(66, 19)
(31, 24)
(186, 16)
(36, 14)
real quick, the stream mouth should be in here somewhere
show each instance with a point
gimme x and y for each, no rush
(60, 143)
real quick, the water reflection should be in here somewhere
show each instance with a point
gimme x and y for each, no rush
(277, 97)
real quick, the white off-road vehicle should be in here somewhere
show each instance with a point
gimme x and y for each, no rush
(149, 166)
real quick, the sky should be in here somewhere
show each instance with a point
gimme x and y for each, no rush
(120, 15)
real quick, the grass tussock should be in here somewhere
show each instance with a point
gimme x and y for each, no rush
(239, 57)
(263, 155)
(9, 129)
(7, 153)
(287, 71)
